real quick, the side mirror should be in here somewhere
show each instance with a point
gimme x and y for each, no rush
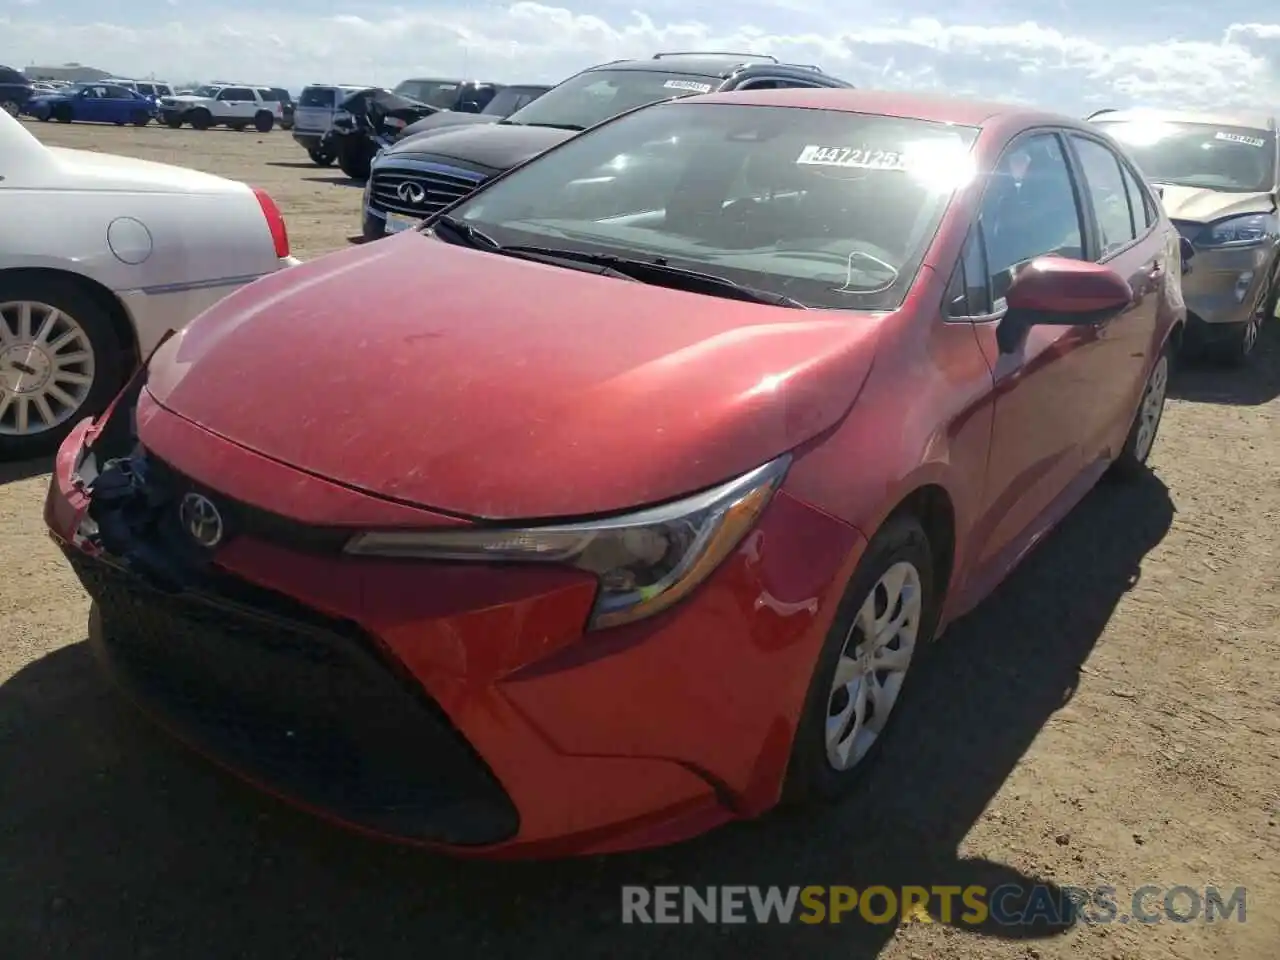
(1188, 251)
(1057, 291)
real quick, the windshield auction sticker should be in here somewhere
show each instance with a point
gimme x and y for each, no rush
(688, 85)
(1240, 138)
(860, 158)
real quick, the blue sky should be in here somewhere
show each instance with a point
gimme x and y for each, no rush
(1065, 54)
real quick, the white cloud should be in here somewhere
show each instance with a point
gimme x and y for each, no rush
(533, 41)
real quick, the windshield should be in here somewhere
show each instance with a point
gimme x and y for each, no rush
(595, 96)
(436, 93)
(510, 99)
(830, 209)
(1217, 157)
(205, 92)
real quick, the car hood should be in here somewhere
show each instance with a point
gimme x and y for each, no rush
(497, 146)
(1200, 205)
(105, 171)
(499, 388)
(446, 120)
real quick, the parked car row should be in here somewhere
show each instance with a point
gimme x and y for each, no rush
(351, 124)
(716, 385)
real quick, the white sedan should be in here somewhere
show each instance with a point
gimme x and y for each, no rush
(99, 257)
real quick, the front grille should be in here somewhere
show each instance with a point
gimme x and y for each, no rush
(420, 191)
(305, 707)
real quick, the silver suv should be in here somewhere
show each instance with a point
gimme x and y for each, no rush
(1217, 177)
(313, 116)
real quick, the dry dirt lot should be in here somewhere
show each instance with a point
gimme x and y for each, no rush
(1111, 717)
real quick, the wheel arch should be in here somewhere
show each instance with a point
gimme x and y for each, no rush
(121, 322)
(932, 507)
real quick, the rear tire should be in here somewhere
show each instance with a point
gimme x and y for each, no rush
(11, 107)
(107, 363)
(264, 122)
(201, 119)
(899, 549)
(1132, 461)
(141, 119)
(173, 123)
(62, 113)
(321, 158)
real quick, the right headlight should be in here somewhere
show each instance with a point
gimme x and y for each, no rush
(644, 561)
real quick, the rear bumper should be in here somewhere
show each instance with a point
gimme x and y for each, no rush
(156, 310)
(462, 707)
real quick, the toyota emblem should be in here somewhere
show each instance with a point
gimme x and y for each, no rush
(411, 192)
(201, 519)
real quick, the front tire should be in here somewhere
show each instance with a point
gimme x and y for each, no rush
(886, 618)
(355, 159)
(60, 361)
(321, 158)
(201, 119)
(11, 107)
(1132, 461)
(141, 119)
(62, 113)
(173, 123)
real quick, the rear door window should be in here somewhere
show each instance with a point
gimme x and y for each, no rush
(324, 97)
(1105, 188)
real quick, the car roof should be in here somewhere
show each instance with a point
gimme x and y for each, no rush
(1234, 118)
(893, 103)
(695, 64)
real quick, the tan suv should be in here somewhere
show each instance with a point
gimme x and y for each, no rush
(1216, 175)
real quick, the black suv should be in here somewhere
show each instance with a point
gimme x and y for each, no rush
(15, 91)
(423, 173)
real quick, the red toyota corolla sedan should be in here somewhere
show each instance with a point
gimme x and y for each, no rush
(620, 500)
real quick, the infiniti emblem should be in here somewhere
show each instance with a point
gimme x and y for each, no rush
(411, 192)
(201, 519)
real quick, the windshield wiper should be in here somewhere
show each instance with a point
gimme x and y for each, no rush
(576, 127)
(469, 235)
(652, 271)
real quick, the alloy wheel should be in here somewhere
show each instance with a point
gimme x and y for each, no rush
(1152, 408)
(46, 367)
(873, 665)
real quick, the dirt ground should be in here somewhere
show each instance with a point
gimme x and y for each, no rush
(1110, 717)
